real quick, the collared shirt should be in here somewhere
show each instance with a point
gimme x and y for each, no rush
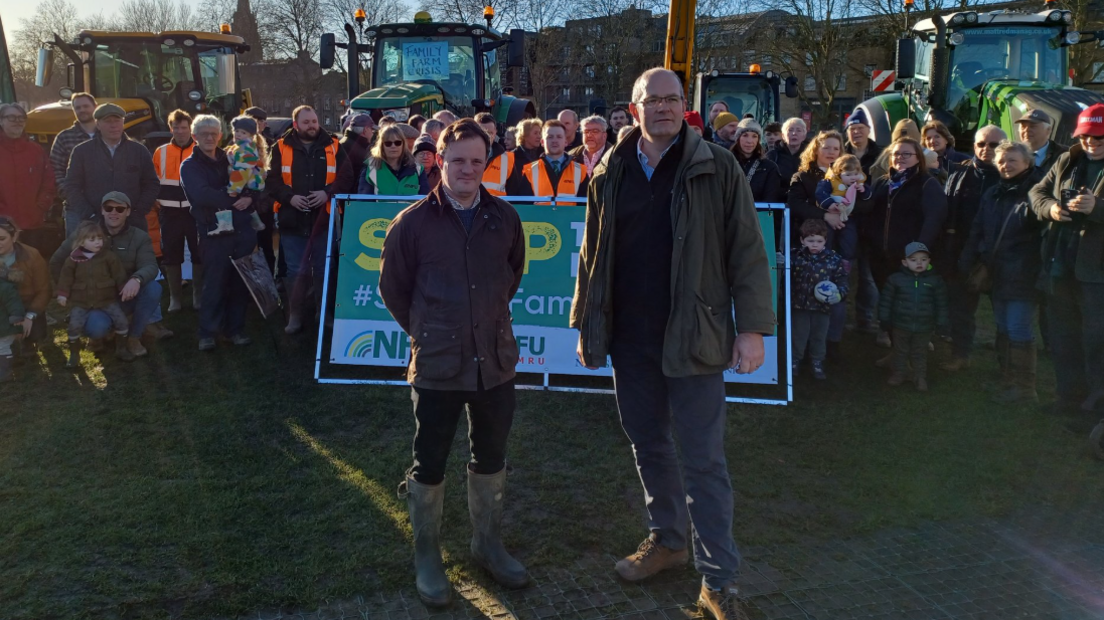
(111, 148)
(591, 162)
(559, 163)
(1040, 155)
(649, 170)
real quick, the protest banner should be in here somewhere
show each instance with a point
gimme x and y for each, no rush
(365, 334)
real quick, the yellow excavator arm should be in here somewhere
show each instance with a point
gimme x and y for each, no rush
(680, 41)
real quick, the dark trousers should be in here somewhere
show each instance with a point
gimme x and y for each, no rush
(653, 405)
(225, 297)
(962, 306)
(866, 300)
(1076, 320)
(911, 348)
(810, 329)
(177, 228)
(436, 416)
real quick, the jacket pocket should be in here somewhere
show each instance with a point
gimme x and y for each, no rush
(711, 344)
(506, 344)
(436, 351)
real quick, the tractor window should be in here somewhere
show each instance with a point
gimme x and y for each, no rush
(493, 75)
(446, 61)
(148, 70)
(744, 95)
(1003, 53)
(923, 58)
(218, 74)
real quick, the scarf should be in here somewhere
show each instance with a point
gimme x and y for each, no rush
(80, 255)
(897, 179)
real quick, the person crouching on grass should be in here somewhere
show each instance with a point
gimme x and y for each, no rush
(913, 304)
(91, 278)
(820, 282)
(460, 359)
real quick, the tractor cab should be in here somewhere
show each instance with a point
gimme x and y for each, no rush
(755, 93)
(425, 66)
(970, 69)
(148, 74)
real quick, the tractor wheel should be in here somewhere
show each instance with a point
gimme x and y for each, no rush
(1096, 441)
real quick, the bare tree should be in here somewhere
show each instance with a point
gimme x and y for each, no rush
(298, 27)
(471, 11)
(1086, 60)
(813, 44)
(614, 42)
(155, 16)
(52, 17)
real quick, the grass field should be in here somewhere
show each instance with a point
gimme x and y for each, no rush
(192, 485)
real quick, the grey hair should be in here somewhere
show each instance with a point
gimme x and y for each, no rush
(790, 122)
(441, 115)
(16, 106)
(986, 129)
(204, 121)
(433, 125)
(624, 131)
(641, 83)
(1016, 147)
(597, 120)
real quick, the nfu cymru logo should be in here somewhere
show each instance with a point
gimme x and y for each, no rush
(375, 344)
(361, 345)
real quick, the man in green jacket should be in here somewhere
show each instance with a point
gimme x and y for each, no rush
(672, 242)
(141, 296)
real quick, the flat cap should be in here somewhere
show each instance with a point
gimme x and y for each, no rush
(105, 110)
(1036, 116)
(118, 197)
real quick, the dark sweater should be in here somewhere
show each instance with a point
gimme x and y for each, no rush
(642, 254)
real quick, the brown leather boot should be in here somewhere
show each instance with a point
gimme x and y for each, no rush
(723, 604)
(649, 559)
(134, 345)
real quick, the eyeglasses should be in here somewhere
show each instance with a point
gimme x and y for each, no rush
(902, 155)
(991, 145)
(592, 132)
(393, 143)
(652, 103)
(18, 119)
(111, 209)
(212, 135)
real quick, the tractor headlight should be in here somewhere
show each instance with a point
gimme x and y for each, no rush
(398, 114)
(195, 95)
(957, 38)
(971, 17)
(959, 18)
(1067, 17)
(1073, 37)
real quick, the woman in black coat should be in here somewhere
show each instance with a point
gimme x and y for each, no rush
(817, 157)
(1014, 259)
(761, 173)
(907, 205)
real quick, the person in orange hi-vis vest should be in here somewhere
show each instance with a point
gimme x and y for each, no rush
(503, 176)
(173, 211)
(555, 173)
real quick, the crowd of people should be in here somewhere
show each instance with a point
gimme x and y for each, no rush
(918, 231)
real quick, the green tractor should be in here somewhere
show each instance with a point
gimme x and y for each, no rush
(755, 93)
(974, 69)
(426, 66)
(7, 84)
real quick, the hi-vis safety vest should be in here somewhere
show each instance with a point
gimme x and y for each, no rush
(570, 180)
(166, 162)
(497, 173)
(387, 184)
(287, 154)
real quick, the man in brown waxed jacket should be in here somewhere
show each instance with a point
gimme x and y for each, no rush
(450, 265)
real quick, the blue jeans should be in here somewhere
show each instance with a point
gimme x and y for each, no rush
(144, 308)
(866, 299)
(306, 263)
(651, 405)
(962, 305)
(1015, 319)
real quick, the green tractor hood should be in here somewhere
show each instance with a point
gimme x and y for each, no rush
(1005, 101)
(400, 96)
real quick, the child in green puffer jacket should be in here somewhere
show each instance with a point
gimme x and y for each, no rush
(913, 304)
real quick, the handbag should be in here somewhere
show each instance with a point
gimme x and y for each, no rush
(980, 279)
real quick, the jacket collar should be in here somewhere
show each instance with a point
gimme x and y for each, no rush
(695, 152)
(437, 198)
(291, 137)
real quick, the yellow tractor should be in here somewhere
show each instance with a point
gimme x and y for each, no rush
(148, 74)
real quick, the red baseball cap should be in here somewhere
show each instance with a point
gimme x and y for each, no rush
(1091, 121)
(693, 118)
